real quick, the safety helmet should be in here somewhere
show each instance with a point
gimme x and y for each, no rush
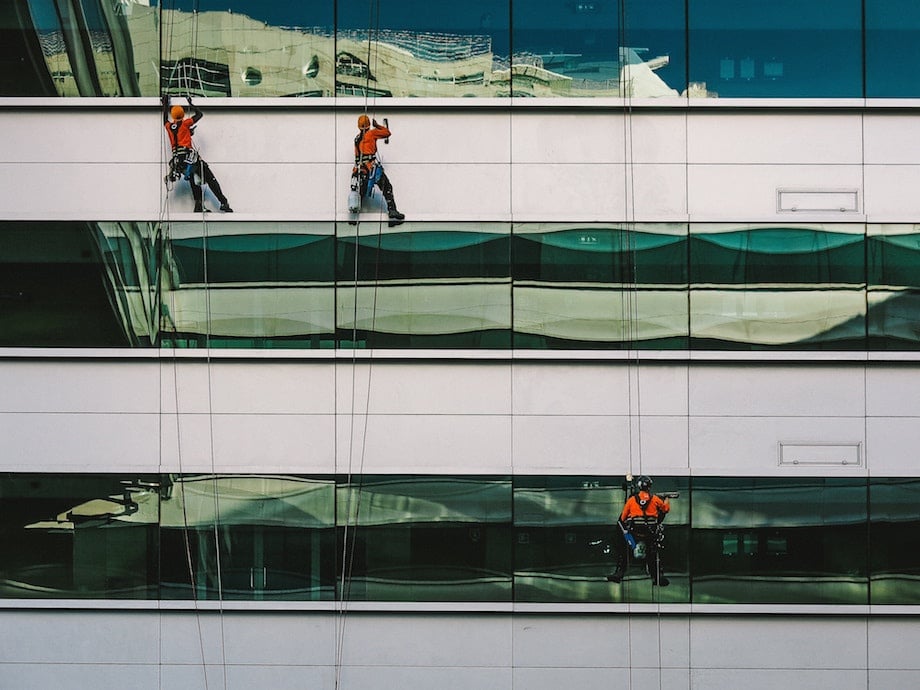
(644, 483)
(364, 122)
(177, 112)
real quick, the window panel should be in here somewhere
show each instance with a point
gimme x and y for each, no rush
(895, 564)
(756, 287)
(777, 49)
(566, 533)
(891, 48)
(421, 48)
(894, 286)
(596, 286)
(248, 537)
(78, 536)
(425, 538)
(775, 540)
(442, 285)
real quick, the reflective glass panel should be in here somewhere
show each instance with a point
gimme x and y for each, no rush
(894, 286)
(248, 285)
(625, 48)
(245, 48)
(57, 286)
(772, 540)
(600, 286)
(418, 538)
(431, 285)
(895, 562)
(776, 49)
(567, 542)
(248, 537)
(891, 49)
(78, 536)
(759, 287)
(422, 48)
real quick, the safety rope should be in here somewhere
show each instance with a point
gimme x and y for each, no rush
(355, 494)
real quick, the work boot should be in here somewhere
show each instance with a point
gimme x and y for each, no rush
(199, 208)
(225, 207)
(615, 577)
(395, 217)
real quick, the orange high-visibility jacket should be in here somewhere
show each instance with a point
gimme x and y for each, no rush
(366, 142)
(644, 504)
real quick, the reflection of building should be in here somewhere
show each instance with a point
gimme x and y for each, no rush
(398, 460)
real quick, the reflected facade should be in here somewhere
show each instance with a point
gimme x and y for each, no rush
(539, 539)
(496, 286)
(484, 48)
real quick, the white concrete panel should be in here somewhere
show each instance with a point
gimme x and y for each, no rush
(787, 642)
(461, 444)
(749, 446)
(82, 676)
(891, 446)
(568, 192)
(664, 445)
(185, 386)
(436, 641)
(304, 639)
(436, 192)
(757, 138)
(192, 638)
(777, 390)
(272, 387)
(264, 190)
(195, 676)
(611, 642)
(55, 386)
(763, 679)
(77, 637)
(80, 191)
(893, 680)
(278, 677)
(423, 388)
(67, 136)
(573, 389)
(601, 678)
(83, 442)
(274, 443)
(444, 138)
(893, 391)
(890, 193)
(281, 136)
(185, 443)
(659, 193)
(426, 677)
(598, 137)
(740, 192)
(571, 444)
(663, 389)
(892, 138)
(893, 644)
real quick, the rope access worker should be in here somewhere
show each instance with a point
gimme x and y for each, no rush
(185, 160)
(641, 524)
(368, 171)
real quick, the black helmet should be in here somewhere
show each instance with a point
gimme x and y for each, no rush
(644, 483)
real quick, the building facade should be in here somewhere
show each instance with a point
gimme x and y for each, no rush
(299, 446)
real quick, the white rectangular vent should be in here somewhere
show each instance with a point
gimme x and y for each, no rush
(803, 200)
(821, 454)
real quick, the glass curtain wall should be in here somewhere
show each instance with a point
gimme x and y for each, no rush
(755, 540)
(482, 48)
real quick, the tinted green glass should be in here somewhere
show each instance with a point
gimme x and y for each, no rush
(421, 538)
(78, 536)
(762, 287)
(248, 537)
(772, 540)
(895, 520)
(566, 540)
(894, 286)
(443, 285)
(57, 287)
(600, 286)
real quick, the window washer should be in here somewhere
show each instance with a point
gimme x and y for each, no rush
(368, 171)
(641, 524)
(185, 160)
